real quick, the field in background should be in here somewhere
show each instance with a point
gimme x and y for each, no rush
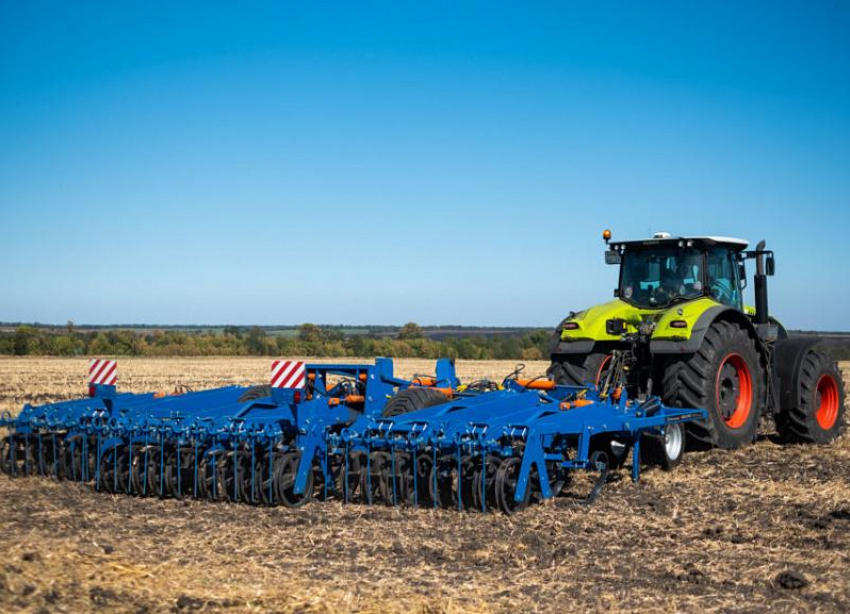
(44, 380)
(767, 527)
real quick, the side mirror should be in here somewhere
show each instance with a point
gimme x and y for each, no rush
(612, 257)
(769, 265)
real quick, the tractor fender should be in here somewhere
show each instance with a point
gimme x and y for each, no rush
(559, 346)
(583, 346)
(693, 343)
(788, 355)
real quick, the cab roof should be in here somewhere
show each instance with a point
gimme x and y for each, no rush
(671, 241)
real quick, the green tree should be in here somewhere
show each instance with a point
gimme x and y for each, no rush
(27, 341)
(310, 333)
(233, 330)
(411, 330)
(255, 341)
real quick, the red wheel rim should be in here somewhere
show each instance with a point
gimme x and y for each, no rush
(827, 401)
(734, 388)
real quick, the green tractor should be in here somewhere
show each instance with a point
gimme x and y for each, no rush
(680, 320)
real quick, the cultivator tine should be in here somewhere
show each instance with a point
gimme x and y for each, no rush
(392, 468)
(97, 466)
(414, 467)
(483, 480)
(326, 474)
(178, 467)
(130, 468)
(145, 472)
(161, 461)
(271, 471)
(345, 476)
(369, 475)
(55, 458)
(195, 461)
(12, 446)
(599, 461)
(235, 471)
(636, 460)
(40, 457)
(434, 471)
(253, 473)
(84, 460)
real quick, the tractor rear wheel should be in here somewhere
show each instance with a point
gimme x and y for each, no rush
(579, 369)
(725, 378)
(413, 399)
(819, 411)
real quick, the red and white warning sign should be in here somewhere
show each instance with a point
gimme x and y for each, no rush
(103, 372)
(288, 374)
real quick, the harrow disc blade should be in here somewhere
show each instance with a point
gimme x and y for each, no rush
(371, 477)
(483, 484)
(211, 479)
(284, 477)
(113, 470)
(505, 486)
(180, 472)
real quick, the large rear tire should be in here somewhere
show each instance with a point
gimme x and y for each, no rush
(578, 369)
(819, 413)
(724, 377)
(413, 399)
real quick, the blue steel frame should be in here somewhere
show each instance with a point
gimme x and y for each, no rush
(543, 428)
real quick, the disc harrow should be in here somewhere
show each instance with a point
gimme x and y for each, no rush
(350, 432)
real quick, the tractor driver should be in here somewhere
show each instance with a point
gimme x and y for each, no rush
(681, 277)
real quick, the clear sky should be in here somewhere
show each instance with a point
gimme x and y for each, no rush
(439, 162)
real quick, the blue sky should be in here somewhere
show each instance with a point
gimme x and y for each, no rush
(437, 162)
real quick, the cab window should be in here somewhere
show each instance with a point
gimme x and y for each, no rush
(722, 276)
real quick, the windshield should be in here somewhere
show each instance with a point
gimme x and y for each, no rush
(656, 277)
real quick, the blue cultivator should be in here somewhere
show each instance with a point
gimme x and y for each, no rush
(353, 432)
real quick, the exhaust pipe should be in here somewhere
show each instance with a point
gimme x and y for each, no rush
(760, 286)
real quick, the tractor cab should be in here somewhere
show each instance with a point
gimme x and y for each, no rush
(663, 271)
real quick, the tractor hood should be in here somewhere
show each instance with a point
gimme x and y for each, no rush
(673, 323)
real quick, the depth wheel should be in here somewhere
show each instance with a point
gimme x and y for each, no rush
(665, 451)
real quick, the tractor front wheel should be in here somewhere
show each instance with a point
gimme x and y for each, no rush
(725, 378)
(579, 369)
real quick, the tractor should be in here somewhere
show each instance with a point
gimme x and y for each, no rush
(679, 319)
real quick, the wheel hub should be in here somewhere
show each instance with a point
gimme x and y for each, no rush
(730, 390)
(734, 388)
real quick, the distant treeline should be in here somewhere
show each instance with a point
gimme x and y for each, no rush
(408, 341)
(308, 340)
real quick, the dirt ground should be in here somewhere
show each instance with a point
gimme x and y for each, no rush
(763, 528)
